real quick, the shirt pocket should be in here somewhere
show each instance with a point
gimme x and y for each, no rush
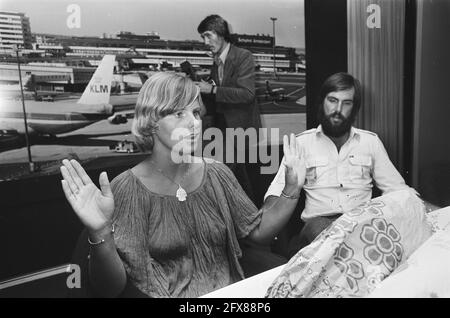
(315, 168)
(360, 167)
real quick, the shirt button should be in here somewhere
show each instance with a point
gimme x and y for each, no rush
(341, 185)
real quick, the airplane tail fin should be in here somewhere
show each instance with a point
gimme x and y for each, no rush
(99, 87)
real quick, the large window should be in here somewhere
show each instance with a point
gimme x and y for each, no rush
(70, 40)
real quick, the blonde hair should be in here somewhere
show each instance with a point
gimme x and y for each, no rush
(161, 95)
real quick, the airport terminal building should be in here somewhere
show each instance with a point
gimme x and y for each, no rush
(151, 50)
(65, 63)
(14, 30)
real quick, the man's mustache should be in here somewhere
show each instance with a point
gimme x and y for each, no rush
(337, 114)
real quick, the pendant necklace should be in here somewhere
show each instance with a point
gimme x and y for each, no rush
(181, 194)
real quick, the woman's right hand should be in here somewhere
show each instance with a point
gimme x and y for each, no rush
(94, 207)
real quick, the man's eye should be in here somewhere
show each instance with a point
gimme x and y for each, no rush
(332, 100)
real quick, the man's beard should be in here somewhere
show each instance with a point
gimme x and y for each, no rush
(336, 130)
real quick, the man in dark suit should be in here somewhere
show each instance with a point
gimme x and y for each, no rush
(230, 98)
(230, 94)
(233, 75)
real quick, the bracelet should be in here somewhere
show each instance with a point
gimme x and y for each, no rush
(289, 196)
(212, 89)
(102, 240)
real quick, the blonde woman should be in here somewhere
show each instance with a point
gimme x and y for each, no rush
(170, 228)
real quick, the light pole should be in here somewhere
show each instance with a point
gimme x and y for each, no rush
(30, 161)
(274, 63)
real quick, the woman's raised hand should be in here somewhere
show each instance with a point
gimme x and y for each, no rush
(94, 207)
(294, 162)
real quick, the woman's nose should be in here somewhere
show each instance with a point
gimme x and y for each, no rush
(195, 124)
(191, 119)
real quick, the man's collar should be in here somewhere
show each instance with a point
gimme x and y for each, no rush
(353, 131)
(319, 129)
(223, 55)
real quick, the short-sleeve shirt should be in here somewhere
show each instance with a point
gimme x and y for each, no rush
(338, 182)
(174, 248)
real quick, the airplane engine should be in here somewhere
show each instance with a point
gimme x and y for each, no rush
(117, 119)
(109, 109)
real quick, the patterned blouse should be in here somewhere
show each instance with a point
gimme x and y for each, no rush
(174, 248)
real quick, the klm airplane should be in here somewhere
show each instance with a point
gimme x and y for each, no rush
(59, 117)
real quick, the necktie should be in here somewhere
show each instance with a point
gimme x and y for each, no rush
(219, 70)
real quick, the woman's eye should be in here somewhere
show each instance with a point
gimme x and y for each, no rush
(179, 114)
(197, 113)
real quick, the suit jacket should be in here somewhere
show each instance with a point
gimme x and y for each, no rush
(235, 97)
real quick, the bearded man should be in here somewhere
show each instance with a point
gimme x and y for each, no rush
(342, 162)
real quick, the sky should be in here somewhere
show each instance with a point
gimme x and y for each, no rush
(172, 19)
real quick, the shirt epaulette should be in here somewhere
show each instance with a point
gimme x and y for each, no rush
(309, 131)
(365, 132)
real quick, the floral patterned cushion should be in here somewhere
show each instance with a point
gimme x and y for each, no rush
(358, 250)
(426, 273)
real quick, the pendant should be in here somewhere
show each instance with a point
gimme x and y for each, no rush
(181, 194)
